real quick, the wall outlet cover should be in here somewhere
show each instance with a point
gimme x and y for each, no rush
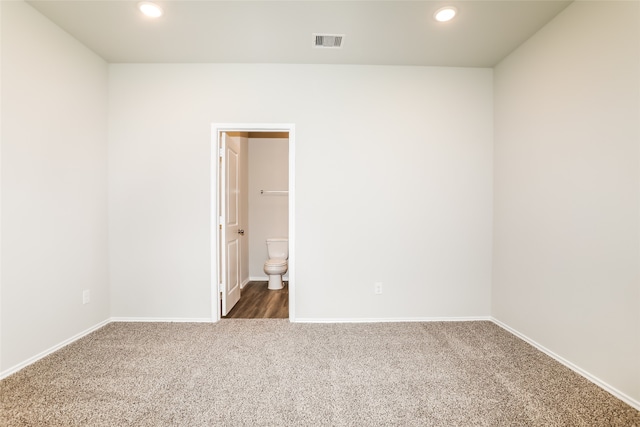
(377, 288)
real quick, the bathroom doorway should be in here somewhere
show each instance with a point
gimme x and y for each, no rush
(252, 200)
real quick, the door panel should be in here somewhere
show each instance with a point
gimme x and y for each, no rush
(230, 220)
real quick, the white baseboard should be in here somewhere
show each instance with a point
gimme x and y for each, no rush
(31, 360)
(597, 381)
(390, 319)
(163, 319)
(265, 278)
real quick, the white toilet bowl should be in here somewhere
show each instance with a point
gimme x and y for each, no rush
(275, 268)
(276, 265)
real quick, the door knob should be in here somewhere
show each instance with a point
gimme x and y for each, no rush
(241, 232)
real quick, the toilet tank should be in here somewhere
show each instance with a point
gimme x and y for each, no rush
(278, 248)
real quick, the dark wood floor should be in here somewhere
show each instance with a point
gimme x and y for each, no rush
(258, 302)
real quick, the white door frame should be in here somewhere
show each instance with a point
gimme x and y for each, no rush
(216, 129)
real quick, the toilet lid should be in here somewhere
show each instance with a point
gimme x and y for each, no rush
(276, 262)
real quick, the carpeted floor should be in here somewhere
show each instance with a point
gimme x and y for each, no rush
(269, 372)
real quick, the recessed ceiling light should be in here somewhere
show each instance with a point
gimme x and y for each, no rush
(149, 9)
(445, 14)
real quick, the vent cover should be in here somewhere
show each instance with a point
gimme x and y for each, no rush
(331, 41)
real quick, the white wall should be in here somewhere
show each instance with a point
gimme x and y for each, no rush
(566, 241)
(268, 214)
(54, 186)
(393, 184)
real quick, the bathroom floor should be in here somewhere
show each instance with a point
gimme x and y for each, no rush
(258, 302)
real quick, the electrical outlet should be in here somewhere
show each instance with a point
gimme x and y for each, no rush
(377, 288)
(86, 296)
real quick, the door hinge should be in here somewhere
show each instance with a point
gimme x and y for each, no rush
(220, 152)
(220, 287)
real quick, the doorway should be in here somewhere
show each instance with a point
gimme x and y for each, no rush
(229, 226)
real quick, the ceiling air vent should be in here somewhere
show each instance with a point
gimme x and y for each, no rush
(328, 40)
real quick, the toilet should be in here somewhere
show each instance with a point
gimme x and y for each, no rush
(276, 265)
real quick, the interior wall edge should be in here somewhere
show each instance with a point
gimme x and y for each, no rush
(578, 370)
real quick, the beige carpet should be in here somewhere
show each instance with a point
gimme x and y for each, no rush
(274, 373)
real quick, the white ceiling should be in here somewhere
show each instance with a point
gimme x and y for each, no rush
(376, 32)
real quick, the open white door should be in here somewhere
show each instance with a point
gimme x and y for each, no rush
(230, 221)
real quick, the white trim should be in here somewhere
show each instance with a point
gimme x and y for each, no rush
(31, 360)
(291, 264)
(597, 381)
(265, 278)
(162, 319)
(394, 319)
(216, 129)
(285, 277)
(215, 222)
